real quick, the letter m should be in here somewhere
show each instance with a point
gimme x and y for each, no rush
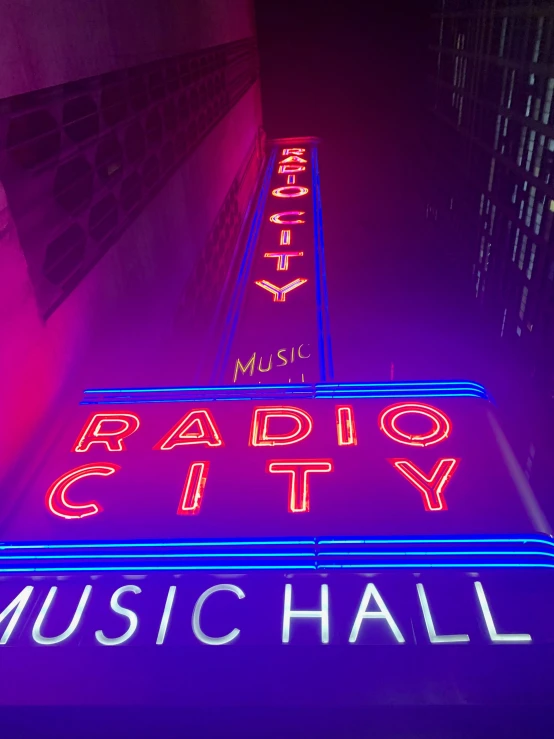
(250, 364)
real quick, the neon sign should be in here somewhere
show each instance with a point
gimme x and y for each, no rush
(303, 612)
(276, 311)
(349, 497)
(278, 462)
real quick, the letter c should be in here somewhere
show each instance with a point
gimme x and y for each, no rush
(198, 633)
(56, 500)
(278, 217)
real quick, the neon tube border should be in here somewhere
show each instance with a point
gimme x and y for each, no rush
(314, 554)
(317, 391)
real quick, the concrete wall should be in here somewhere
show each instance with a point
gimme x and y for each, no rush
(48, 42)
(116, 325)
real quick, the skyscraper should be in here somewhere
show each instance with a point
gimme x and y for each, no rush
(493, 206)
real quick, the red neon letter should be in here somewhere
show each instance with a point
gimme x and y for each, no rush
(440, 430)
(293, 151)
(290, 168)
(290, 191)
(277, 217)
(260, 435)
(57, 503)
(291, 160)
(346, 429)
(93, 432)
(279, 293)
(283, 258)
(299, 487)
(432, 487)
(197, 427)
(285, 238)
(193, 489)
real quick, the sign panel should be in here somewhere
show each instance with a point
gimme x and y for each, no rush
(278, 507)
(294, 477)
(277, 329)
(272, 609)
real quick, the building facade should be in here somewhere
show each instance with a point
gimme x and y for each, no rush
(196, 512)
(492, 90)
(128, 156)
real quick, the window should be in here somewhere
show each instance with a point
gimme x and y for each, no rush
(522, 252)
(491, 173)
(502, 36)
(531, 260)
(516, 239)
(548, 100)
(523, 303)
(530, 146)
(538, 39)
(530, 204)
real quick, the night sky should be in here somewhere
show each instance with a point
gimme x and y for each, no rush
(356, 74)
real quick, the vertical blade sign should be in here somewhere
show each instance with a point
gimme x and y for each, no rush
(280, 297)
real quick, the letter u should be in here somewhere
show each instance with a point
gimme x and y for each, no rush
(38, 638)
(261, 369)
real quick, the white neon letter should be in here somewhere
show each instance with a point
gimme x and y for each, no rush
(17, 605)
(322, 614)
(166, 614)
(383, 613)
(74, 621)
(435, 638)
(109, 641)
(491, 628)
(198, 633)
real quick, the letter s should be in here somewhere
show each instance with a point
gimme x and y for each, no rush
(282, 364)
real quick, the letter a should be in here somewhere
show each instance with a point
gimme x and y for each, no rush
(383, 613)
(197, 427)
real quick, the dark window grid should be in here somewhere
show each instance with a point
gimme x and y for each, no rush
(207, 277)
(511, 63)
(512, 115)
(9, 170)
(233, 93)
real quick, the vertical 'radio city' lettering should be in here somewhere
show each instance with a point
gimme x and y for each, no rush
(278, 218)
(288, 168)
(283, 258)
(290, 191)
(280, 293)
(292, 159)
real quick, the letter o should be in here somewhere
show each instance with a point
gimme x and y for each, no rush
(441, 425)
(290, 191)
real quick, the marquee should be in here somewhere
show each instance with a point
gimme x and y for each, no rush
(277, 472)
